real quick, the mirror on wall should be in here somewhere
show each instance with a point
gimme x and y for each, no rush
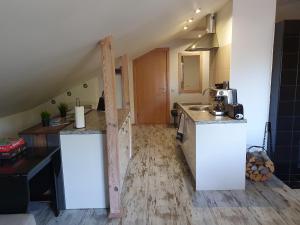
(189, 72)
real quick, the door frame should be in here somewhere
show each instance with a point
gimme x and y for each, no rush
(167, 50)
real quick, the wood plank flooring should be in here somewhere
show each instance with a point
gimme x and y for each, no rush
(158, 189)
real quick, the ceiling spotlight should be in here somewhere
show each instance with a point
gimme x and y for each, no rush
(185, 27)
(199, 35)
(191, 20)
(197, 10)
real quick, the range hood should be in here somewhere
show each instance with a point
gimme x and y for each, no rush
(208, 41)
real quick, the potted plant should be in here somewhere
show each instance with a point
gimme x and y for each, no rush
(45, 118)
(63, 108)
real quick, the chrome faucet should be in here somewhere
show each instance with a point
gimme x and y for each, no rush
(205, 90)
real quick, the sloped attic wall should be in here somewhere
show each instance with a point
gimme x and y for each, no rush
(11, 125)
(47, 46)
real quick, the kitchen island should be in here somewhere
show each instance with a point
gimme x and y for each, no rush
(214, 148)
(85, 162)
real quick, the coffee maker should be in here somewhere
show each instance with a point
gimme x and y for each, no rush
(220, 98)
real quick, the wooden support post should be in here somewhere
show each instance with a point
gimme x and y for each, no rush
(111, 115)
(125, 82)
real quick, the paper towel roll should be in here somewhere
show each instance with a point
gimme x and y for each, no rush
(79, 117)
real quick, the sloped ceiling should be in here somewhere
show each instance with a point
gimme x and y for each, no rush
(47, 46)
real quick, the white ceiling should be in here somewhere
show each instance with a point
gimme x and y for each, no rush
(47, 46)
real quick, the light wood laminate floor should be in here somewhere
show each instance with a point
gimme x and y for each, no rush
(158, 189)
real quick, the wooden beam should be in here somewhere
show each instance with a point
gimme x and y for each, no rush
(125, 82)
(111, 115)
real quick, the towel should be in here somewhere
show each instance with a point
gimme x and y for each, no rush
(180, 134)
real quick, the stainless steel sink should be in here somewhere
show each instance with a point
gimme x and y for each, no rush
(194, 103)
(198, 108)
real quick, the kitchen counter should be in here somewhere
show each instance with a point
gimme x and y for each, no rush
(40, 130)
(95, 123)
(84, 153)
(205, 117)
(209, 143)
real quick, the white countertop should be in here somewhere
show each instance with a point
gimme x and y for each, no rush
(205, 117)
(95, 123)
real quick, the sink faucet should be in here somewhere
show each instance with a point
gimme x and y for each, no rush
(205, 90)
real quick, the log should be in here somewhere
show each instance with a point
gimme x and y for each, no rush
(259, 167)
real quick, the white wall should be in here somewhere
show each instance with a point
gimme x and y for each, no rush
(11, 125)
(252, 49)
(87, 96)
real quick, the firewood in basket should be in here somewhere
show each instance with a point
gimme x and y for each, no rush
(254, 168)
(259, 167)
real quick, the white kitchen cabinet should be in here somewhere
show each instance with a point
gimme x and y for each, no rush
(84, 170)
(215, 150)
(189, 144)
(84, 161)
(220, 156)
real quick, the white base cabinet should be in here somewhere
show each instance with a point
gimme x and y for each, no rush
(216, 154)
(84, 170)
(189, 144)
(84, 163)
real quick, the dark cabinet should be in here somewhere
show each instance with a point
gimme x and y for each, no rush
(285, 103)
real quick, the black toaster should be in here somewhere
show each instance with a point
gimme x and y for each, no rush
(235, 111)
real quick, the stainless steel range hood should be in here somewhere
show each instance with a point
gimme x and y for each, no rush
(208, 41)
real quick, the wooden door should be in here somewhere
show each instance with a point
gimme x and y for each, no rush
(150, 74)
